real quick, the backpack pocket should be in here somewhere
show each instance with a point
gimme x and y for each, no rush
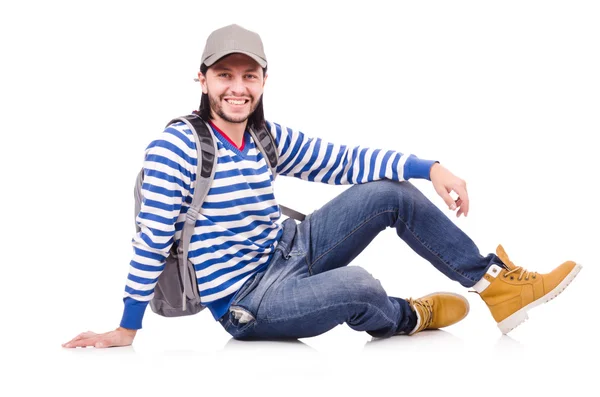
(168, 293)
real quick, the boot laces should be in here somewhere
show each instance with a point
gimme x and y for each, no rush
(522, 272)
(426, 311)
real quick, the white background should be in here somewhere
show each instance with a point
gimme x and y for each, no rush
(504, 94)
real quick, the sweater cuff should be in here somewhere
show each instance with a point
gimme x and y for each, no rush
(133, 313)
(418, 168)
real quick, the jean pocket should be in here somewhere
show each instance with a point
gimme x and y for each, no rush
(288, 254)
(296, 252)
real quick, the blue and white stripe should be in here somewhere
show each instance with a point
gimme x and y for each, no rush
(315, 160)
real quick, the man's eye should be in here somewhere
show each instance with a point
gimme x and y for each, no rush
(252, 76)
(224, 74)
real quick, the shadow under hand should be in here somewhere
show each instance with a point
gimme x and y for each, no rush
(118, 350)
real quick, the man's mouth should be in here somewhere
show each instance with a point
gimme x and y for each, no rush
(236, 102)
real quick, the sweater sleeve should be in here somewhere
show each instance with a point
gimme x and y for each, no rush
(169, 167)
(315, 160)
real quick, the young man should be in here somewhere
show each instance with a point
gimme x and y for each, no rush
(261, 279)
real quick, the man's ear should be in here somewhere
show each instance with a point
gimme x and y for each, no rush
(202, 80)
(265, 79)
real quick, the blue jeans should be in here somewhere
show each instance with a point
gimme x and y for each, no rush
(307, 289)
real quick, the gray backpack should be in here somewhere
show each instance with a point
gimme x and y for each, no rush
(176, 292)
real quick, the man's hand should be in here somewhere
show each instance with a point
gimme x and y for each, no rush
(444, 182)
(119, 337)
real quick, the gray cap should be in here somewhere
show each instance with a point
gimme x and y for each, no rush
(233, 39)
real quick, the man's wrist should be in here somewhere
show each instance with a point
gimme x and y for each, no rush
(432, 168)
(130, 331)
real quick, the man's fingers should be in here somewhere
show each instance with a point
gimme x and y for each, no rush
(445, 183)
(107, 339)
(82, 335)
(462, 201)
(445, 194)
(88, 338)
(83, 342)
(464, 197)
(460, 207)
(86, 334)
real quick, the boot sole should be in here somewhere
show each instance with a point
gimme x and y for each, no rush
(518, 317)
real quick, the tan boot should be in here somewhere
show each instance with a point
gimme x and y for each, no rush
(510, 292)
(438, 310)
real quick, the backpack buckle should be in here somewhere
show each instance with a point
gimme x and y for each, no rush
(191, 215)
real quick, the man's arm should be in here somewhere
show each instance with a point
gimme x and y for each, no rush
(169, 163)
(315, 160)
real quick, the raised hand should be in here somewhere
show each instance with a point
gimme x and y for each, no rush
(444, 182)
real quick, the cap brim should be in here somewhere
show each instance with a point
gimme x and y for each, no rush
(215, 57)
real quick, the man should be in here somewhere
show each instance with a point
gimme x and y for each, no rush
(261, 279)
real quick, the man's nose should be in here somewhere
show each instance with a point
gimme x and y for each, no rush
(238, 88)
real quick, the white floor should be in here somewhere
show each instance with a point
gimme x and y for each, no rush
(551, 354)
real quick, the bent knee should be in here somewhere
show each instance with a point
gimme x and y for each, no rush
(387, 192)
(362, 287)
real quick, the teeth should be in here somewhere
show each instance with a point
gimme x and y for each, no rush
(234, 102)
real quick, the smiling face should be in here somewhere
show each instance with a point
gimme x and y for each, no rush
(234, 86)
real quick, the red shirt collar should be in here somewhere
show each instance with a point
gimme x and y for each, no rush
(226, 137)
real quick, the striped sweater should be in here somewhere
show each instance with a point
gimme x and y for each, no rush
(237, 229)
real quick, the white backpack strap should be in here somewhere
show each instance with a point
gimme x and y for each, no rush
(207, 152)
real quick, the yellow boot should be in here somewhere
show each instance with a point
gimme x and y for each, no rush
(438, 310)
(510, 292)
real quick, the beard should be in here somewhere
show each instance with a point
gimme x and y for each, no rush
(215, 105)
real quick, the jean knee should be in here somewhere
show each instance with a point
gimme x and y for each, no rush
(364, 288)
(387, 193)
